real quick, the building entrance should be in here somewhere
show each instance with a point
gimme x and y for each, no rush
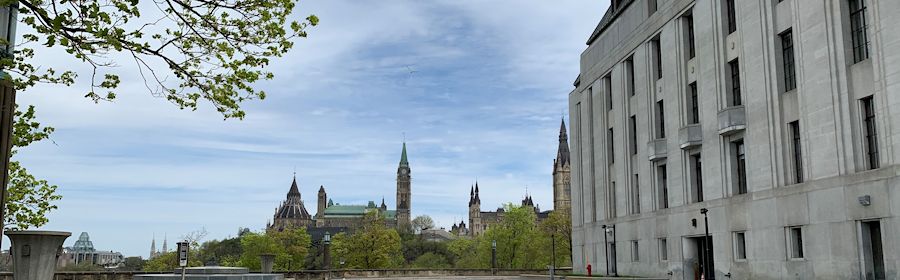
(696, 261)
(871, 250)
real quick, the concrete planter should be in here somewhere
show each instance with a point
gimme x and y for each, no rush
(35, 253)
(267, 261)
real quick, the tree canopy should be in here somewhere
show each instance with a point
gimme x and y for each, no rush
(184, 51)
(372, 246)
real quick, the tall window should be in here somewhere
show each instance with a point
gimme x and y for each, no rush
(635, 195)
(635, 252)
(731, 22)
(629, 68)
(694, 116)
(651, 7)
(611, 200)
(607, 85)
(632, 133)
(740, 246)
(871, 133)
(795, 242)
(657, 57)
(796, 150)
(660, 120)
(740, 167)
(696, 178)
(787, 58)
(663, 185)
(610, 147)
(663, 249)
(689, 28)
(735, 70)
(858, 26)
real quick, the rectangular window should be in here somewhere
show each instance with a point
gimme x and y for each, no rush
(610, 147)
(660, 120)
(689, 28)
(735, 71)
(663, 185)
(694, 116)
(696, 178)
(796, 150)
(871, 132)
(787, 58)
(635, 195)
(657, 57)
(635, 251)
(795, 242)
(731, 22)
(740, 246)
(632, 127)
(607, 84)
(858, 33)
(740, 167)
(651, 7)
(611, 200)
(629, 68)
(663, 249)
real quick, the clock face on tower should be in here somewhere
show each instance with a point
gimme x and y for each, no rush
(403, 171)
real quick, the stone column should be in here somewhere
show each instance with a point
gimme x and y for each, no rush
(35, 253)
(267, 261)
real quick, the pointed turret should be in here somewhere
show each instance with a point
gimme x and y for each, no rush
(295, 190)
(153, 252)
(165, 245)
(562, 153)
(403, 160)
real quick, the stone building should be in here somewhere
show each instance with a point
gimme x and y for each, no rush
(562, 173)
(292, 212)
(480, 221)
(777, 118)
(83, 252)
(156, 253)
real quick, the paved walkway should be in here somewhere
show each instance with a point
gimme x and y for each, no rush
(440, 278)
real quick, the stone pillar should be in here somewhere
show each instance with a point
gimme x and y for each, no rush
(35, 253)
(267, 261)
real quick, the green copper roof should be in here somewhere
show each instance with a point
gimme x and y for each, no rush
(403, 155)
(355, 211)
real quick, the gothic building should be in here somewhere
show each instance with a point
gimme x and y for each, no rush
(562, 173)
(292, 212)
(479, 221)
(156, 253)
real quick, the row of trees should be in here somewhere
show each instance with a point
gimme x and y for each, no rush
(521, 242)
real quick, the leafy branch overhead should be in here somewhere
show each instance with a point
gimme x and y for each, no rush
(215, 49)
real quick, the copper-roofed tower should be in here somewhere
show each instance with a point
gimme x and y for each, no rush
(404, 191)
(562, 172)
(292, 213)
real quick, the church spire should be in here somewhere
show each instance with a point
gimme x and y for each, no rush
(295, 190)
(562, 154)
(403, 160)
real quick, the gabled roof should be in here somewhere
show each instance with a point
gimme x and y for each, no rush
(616, 7)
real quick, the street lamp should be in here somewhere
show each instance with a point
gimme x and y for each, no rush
(606, 231)
(493, 257)
(707, 262)
(8, 21)
(327, 255)
(553, 253)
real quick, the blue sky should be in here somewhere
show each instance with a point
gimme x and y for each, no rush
(478, 88)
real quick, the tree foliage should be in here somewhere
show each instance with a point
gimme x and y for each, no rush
(372, 246)
(289, 247)
(421, 223)
(431, 260)
(186, 51)
(29, 199)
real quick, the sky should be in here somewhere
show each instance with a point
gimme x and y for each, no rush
(477, 89)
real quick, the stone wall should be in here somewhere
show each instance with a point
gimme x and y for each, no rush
(316, 274)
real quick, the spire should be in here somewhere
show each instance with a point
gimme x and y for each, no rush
(165, 244)
(322, 188)
(384, 206)
(562, 154)
(153, 247)
(295, 190)
(403, 160)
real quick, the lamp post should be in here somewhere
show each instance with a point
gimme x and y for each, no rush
(707, 261)
(327, 255)
(493, 257)
(553, 253)
(606, 247)
(8, 19)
